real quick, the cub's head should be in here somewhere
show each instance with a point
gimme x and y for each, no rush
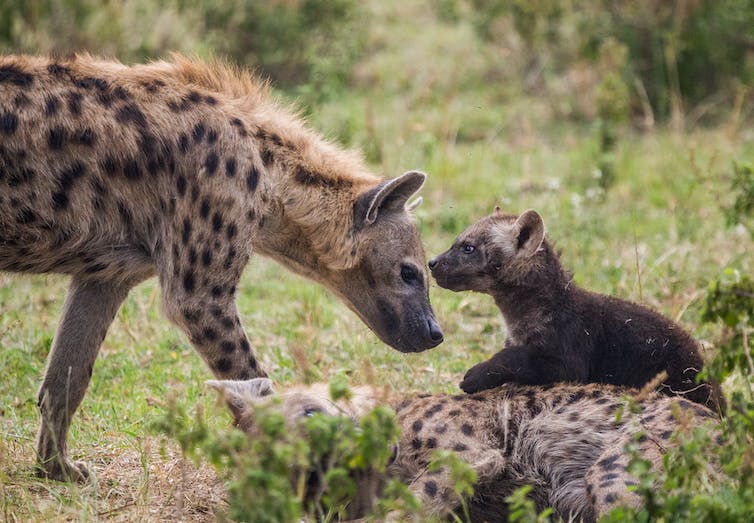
(499, 249)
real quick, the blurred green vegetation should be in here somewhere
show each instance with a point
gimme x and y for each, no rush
(627, 124)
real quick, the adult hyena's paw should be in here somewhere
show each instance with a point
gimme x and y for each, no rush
(63, 470)
(481, 377)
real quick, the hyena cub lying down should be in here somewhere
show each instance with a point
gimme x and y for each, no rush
(563, 439)
(558, 331)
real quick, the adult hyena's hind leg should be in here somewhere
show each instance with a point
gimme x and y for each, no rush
(89, 309)
(198, 277)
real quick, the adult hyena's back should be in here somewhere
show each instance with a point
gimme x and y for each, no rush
(94, 161)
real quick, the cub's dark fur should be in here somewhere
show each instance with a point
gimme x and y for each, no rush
(558, 331)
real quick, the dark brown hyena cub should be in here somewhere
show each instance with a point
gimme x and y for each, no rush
(556, 330)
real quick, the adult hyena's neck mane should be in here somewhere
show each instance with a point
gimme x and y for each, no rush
(312, 183)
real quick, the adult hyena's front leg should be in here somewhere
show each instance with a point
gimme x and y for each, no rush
(199, 295)
(89, 309)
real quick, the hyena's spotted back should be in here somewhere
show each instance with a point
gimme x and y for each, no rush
(566, 441)
(97, 160)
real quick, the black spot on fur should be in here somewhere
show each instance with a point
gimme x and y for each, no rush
(180, 185)
(131, 170)
(227, 346)
(210, 100)
(207, 257)
(198, 132)
(576, 396)
(217, 222)
(194, 97)
(211, 163)
(216, 292)
(610, 498)
(52, 105)
(59, 200)
(20, 178)
(211, 136)
(15, 76)
(245, 345)
(431, 443)
(608, 463)
(460, 447)
(267, 157)
(183, 143)
(8, 122)
(224, 365)
(57, 69)
(455, 412)
(417, 425)
(130, 113)
(430, 488)
(186, 233)
(230, 167)
(666, 434)
(312, 179)
(56, 138)
(210, 334)
(416, 443)
(204, 209)
(189, 281)
(26, 216)
(467, 429)
(434, 409)
(252, 179)
(109, 165)
(230, 231)
(84, 136)
(74, 102)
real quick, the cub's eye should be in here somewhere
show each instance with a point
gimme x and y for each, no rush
(468, 249)
(409, 274)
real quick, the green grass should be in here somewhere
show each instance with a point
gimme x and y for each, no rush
(483, 144)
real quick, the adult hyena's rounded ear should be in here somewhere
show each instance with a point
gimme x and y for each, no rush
(529, 232)
(240, 394)
(389, 196)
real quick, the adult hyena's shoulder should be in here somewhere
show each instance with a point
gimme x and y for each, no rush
(95, 153)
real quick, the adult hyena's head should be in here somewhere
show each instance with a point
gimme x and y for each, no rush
(499, 249)
(388, 285)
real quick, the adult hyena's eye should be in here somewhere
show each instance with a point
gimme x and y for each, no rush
(468, 249)
(311, 411)
(409, 274)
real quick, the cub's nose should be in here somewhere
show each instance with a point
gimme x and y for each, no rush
(432, 263)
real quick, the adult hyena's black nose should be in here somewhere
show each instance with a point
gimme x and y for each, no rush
(435, 332)
(432, 263)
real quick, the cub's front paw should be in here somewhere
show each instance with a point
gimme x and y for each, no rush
(481, 377)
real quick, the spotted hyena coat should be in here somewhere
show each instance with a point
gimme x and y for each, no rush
(558, 331)
(112, 174)
(564, 440)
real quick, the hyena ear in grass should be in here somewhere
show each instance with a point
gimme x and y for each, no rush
(240, 394)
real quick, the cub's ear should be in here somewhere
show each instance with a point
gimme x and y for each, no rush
(389, 196)
(239, 394)
(528, 233)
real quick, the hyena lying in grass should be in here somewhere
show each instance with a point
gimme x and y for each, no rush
(564, 440)
(113, 174)
(558, 331)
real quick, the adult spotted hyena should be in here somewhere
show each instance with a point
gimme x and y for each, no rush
(565, 440)
(180, 169)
